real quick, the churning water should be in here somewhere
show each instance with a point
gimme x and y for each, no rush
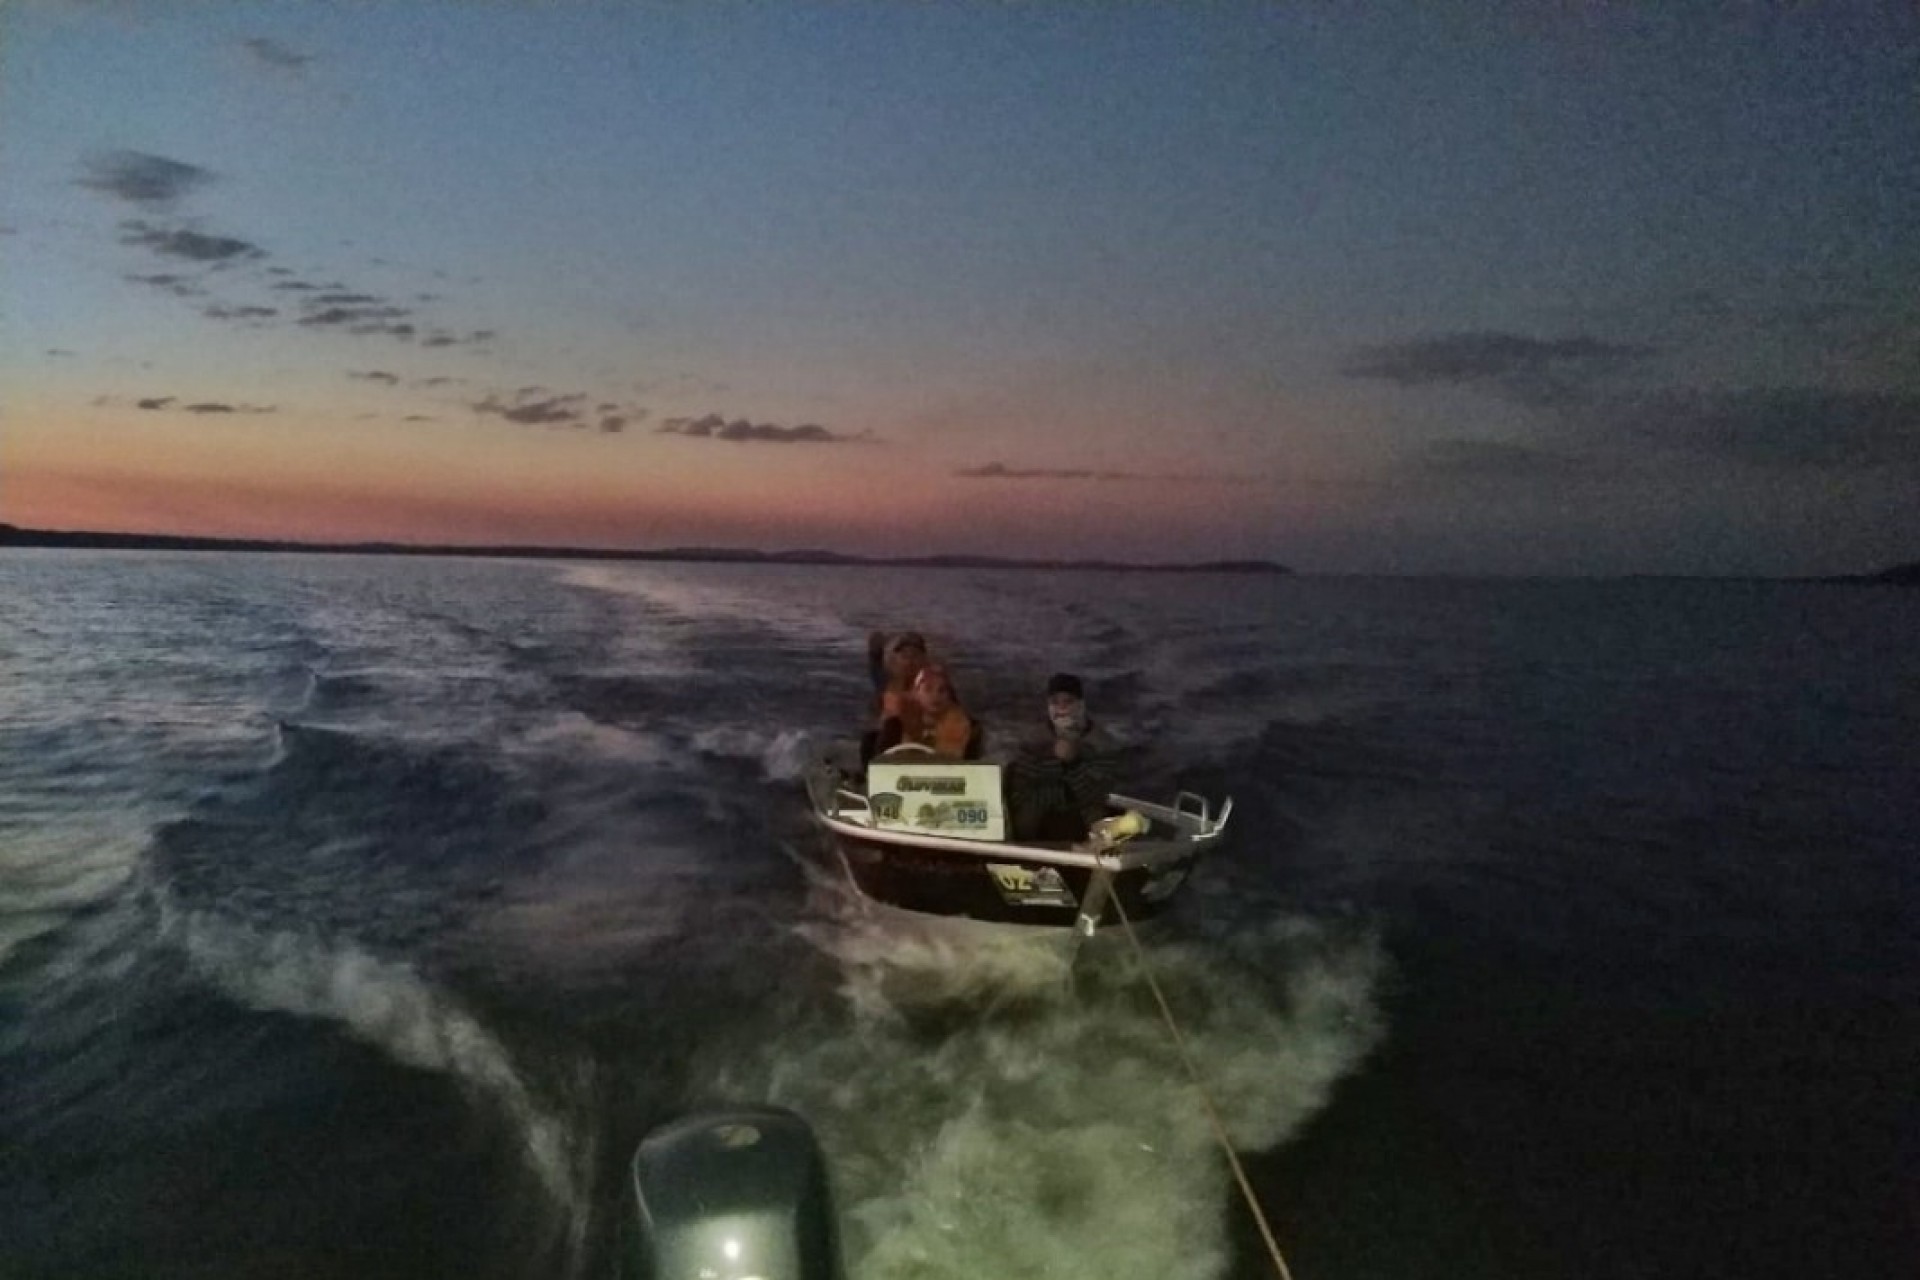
(359, 915)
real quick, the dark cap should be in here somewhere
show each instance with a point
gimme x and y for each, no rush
(1064, 683)
(908, 640)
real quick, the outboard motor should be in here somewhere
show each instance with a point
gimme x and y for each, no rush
(735, 1195)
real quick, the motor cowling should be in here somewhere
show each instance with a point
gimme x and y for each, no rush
(739, 1194)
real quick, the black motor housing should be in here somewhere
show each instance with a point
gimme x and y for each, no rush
(736, 1194)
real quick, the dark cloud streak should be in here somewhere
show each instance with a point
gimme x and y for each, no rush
(1531, 370)
(194, 246)
(352, 316)
(178, 286)
(1467, 459)
(1787, 428)
(742, 431)
(143, 179)
(154, 404)
(276, 55)
(1486, 356)
(552, 411)
(1001, 471)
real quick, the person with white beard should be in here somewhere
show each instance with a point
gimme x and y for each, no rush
(1057, 783)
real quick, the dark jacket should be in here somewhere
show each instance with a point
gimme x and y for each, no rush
(1043, 790)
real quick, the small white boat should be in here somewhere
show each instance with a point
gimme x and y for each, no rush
(929, 835)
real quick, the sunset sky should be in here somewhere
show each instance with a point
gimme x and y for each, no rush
(1376, 288)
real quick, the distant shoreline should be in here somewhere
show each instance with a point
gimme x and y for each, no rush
(1901, 575)
(92, 540)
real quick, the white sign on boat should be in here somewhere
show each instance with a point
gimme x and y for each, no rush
(937, 797)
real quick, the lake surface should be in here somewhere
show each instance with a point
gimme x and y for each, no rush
(359, 915)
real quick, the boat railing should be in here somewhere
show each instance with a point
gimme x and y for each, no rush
(1189, 813)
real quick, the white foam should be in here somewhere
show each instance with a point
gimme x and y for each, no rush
(985, 1115)
(48, 874)
(782, 757)
(391, 1007)
(673, 590)
(574, 732)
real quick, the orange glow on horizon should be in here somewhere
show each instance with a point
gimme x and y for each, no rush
(307, 480)
(304, 510)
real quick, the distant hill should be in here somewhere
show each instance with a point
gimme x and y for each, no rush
(1899, 575)
(13, 536)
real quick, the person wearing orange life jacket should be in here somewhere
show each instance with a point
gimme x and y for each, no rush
(892, 665)
(944, 726)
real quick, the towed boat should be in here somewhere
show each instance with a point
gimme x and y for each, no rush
(929, 835)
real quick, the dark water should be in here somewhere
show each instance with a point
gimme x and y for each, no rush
(357, 916)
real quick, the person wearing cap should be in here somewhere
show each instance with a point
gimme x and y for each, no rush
(892, 664)
(1058, 783)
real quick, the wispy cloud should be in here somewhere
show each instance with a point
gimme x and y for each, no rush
(1466, 459)
(529, 408)
(158, 404)
(1530, 369)
(1001, 471)
(1805, 428)
(442, 338)
(155, 182)
(321, 317)
(742, 431)
(179, 242)
(374, 375)
(177, 285)
(239, 313)
(1475, 357)
(274, 54)
(140, 178)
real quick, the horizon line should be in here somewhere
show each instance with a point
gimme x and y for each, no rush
(1906, 573)
(107, 540)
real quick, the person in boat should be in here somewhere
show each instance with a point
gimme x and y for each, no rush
(1058, 782)
(938, 723)
(892, 665)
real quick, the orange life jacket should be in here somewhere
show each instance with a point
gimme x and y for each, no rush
(901, 705)
(949, 735)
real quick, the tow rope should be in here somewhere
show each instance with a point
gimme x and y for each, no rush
(1206, 1099)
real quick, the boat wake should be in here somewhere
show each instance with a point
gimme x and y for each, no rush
(1002, 1111)
(392, 1008)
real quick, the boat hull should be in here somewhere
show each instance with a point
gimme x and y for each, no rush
(999, 885)
(1053, 885)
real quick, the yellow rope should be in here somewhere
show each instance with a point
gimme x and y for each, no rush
(1213, 1112)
